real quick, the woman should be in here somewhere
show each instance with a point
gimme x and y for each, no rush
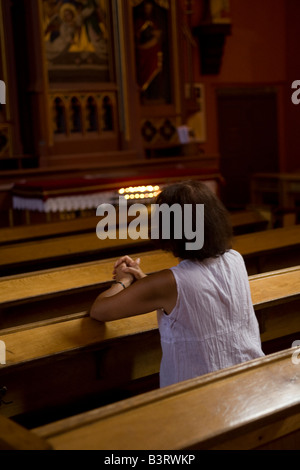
(205, 313)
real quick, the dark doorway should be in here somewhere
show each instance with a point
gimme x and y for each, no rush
(248, 139)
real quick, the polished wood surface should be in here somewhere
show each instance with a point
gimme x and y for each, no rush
(251, 406)
(60, 249)
(241, 221)
(264, 415)
(272, 287)
(54, 368)
(62, 279)
(286, 186)
(44, 339)
(75, 331)
(243, 407)
(64, 291)
(267, 290)
(82, 275)
(43, 359)
(262, 251)
(25, 233)
(268, 240)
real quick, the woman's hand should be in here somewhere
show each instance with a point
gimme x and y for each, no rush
(121, 275)
(129, 266)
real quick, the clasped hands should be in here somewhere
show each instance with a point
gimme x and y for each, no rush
(127, 270)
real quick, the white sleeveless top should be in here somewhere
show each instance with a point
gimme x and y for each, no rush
(213, 325)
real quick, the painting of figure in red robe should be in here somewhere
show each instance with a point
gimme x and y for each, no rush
(152, 42)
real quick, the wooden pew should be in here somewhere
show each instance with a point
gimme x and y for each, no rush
(242, 221)
(25, 233)
(61, 251)
(248, 221)
(54, 369)
(262, 251)
(270, 249)
(52, 293)
(255, 405)
(57, 367)
(62, 291)
(276, 301)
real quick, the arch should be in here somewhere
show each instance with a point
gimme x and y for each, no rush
(92, 114)
(59, 116)
(2, 92)
(76, 115)
(107, 114)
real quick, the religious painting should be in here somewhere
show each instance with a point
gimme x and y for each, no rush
(77, 40)
(152, 39)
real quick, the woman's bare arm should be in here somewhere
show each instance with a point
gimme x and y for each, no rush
(150, 293)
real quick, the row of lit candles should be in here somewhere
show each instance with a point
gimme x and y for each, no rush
(140, 192)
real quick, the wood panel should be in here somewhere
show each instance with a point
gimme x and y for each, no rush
(56, 367)
(262, 251)
(271, 249)
(242, 222)
(25, 233)
(52, 293)
(254, 405)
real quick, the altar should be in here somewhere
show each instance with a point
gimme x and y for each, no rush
(49, 200)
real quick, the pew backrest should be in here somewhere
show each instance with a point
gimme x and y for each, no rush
(44, 357)
(79, 330)
(254, 405)
(262, 251)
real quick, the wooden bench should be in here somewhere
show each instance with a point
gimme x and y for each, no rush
(262, 251)
(270, 249)
(61, 251)
(242, 222)
(52, 293)
(75, 363)
(279, 189)
(61, 291)
(255, 405)
(25, 233)
(248, 221)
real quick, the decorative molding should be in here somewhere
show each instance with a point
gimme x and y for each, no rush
(162, 131)
(82, 113)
